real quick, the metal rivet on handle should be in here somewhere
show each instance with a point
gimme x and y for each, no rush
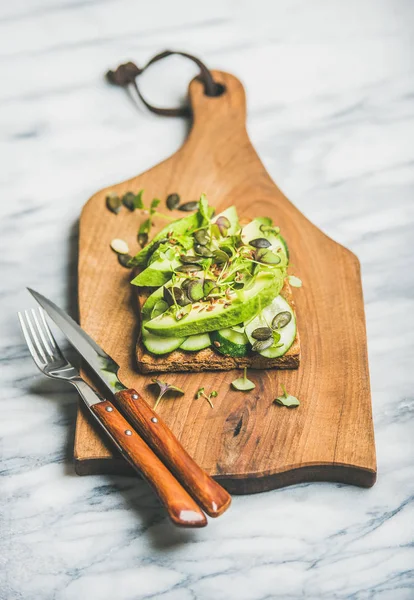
(128, 432)
(109, 409)
(154, 420)
(135, 396)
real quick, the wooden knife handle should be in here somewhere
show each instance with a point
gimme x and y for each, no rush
(181, 508)
(209, 494)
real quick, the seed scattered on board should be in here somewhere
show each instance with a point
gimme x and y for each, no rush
(119, 246)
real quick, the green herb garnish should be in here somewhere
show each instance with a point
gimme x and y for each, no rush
(165, 387)
(286, 399)
(153, 205)
(242, 384)
(201, 394)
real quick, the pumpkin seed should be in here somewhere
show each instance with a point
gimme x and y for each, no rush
(262, 333)
(223, 224)
(155, 247)
(173, 200)
(190, 260)
(262, 344)
(295, 281)
(172, 293)
(142, 239)
(119, 246)
(203, 251)
(124, 259)
(195, 290)
(209, 286)
(201, 236)
(113, 202)
(186, 283)
(281, 320)
(159, 308)
(220, 257)
(188, 268)
(183, 300)
(188, 206)
(267, 257)
(260, 243)
(128, 200)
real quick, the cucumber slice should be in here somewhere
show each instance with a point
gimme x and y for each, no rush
(154, 343)
(195, 342)
(278, 244)
(158, 345)
(264, 319)
(230, 342)
(230, 214)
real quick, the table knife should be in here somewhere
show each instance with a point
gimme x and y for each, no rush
(213, 498)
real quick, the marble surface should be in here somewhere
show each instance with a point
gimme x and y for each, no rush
(330, 94)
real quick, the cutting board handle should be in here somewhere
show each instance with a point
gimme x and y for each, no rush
(221, 114)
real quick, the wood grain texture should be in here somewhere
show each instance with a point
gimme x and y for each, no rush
(210, 496)
(247, 442)
(181, 508)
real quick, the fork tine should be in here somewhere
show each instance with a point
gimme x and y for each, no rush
(41, 333)
(49, 334)
(36, 342)
(29, 341)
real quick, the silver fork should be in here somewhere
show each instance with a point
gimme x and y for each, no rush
(47, 355)
(181, 508)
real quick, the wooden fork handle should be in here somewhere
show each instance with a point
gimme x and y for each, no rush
(209, 494)
(181, 508)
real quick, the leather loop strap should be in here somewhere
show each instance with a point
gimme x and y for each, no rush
(127, 74)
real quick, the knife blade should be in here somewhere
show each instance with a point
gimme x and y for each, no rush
(211, 496)
(101, 363)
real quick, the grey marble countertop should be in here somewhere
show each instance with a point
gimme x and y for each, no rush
(330, 89)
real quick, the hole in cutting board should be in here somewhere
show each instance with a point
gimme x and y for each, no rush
(219, 91)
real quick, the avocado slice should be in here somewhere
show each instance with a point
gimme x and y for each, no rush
(157, 274)
(245, 304)
(178, 227)
(160, 271)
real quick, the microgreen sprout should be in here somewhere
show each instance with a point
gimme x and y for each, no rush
(286, 399)
(242, 384)
(201, 394)
(165, 387)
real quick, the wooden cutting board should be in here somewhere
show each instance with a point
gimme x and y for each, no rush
(246, 442)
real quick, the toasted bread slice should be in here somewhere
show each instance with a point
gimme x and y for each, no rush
(210, 360)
